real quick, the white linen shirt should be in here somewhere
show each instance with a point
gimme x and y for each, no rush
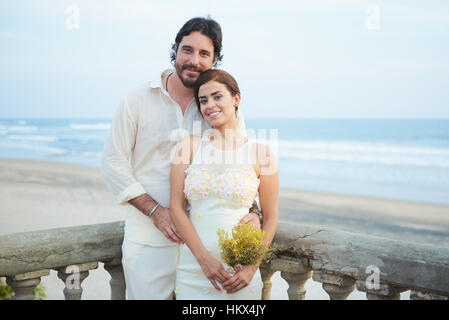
(136, 156)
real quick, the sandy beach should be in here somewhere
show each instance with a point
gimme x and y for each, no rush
(38, 195)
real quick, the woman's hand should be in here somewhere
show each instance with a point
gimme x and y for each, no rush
(241, 279)
(214, 271)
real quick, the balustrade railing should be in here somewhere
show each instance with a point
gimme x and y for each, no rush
(341, 261)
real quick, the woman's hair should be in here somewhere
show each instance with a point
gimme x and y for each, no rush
(219, 76)
(207, 27)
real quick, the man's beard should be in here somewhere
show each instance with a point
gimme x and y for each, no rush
(187, 81)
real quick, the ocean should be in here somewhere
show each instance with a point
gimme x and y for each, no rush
(393, 159)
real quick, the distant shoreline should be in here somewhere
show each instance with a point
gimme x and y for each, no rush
(36, 194)
(288, 190)
(403, 159)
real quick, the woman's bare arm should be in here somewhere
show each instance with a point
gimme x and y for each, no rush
(211, 267)
(268, 197)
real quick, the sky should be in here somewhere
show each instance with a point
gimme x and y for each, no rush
(292, 59)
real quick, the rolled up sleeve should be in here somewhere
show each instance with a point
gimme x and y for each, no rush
(116, 169)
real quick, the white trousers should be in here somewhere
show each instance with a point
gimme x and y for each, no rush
(150, 271)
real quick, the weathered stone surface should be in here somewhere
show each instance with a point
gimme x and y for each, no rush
(336, 292)
(117, 282)
(23, 289)
(339, 280)
(31, 275)
(73, 289)
(296, 283)
(337, 286)
(55, 248)
(289, 265)
(80, 267)
(266, 272)
(417, 295)
(384, 290)
(403, 264)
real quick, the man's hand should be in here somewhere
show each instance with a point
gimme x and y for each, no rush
(162, 220)
(161, 216)
(251, 217)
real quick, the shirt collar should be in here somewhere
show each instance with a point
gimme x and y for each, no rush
(157, 82)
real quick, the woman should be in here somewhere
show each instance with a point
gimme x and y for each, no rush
(219, 175)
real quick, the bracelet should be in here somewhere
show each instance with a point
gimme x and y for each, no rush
(258, 212)
(154, 209)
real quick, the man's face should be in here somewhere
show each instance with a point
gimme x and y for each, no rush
(194, 55)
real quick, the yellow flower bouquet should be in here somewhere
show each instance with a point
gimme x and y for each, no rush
(244, 247)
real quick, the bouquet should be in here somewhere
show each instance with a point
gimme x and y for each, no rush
(244, 247)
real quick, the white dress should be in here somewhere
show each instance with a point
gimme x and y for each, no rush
(219, 195)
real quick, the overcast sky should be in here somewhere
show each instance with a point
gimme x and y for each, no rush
(292, 59)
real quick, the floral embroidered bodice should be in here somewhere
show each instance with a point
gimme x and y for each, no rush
(225, 175)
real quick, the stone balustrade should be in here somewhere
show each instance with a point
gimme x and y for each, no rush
(26, 257)
(341, 261)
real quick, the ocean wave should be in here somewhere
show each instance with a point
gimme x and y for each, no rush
(343, 146)
(84, 126)
(364, 153)
(43, 149)
(366, 159)
(88, 154)
(33, 138)
(22, 128)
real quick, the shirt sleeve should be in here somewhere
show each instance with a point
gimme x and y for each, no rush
(116, 169)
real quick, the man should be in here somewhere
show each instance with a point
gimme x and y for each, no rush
(136, 159)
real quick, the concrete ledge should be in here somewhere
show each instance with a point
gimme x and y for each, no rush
(422, 268)
(402, 264)
(55, 248)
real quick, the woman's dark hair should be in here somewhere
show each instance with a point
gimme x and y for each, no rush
(219, 76)
(207, 27)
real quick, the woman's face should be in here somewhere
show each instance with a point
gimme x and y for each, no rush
(217, 104)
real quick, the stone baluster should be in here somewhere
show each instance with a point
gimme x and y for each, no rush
(24, 284)
(384, 291)
(73, 276)
(266, 272)
(117, 282)
(296, 273)
(419, 295)
(338, 287)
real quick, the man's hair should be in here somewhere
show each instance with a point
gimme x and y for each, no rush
(207, 27)
(219, 76)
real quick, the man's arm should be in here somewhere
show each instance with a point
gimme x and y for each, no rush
(116, 169)
(117, 172)
(159, 215)
(144, 203)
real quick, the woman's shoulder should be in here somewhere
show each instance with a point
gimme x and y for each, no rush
(260, 148)
(189, 144)
(263, 155)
